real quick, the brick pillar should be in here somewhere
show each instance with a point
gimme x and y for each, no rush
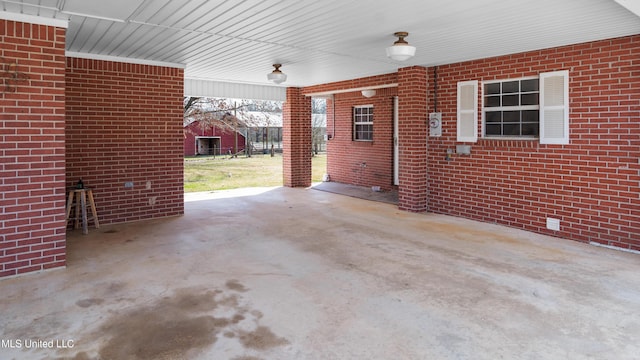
(296, 137)
(32, 147)
(412, 138)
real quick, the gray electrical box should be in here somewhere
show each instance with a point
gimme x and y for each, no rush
(463, 149)
(435, 124)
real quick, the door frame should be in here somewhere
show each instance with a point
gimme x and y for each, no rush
(396, 146)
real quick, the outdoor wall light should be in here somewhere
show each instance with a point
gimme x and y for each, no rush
(277, 76)
(368, 93)
(401, 50)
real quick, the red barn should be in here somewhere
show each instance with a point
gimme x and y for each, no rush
(204, 139)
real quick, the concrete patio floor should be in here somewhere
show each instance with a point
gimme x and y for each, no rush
(286, 273)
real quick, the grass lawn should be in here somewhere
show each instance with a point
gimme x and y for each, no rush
(206, 173)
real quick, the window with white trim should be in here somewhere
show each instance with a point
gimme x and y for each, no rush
(526, 108)
(512, 108)
(363, 123)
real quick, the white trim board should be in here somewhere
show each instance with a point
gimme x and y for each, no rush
(123, 59)
(61, 23)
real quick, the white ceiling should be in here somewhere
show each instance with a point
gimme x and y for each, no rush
(322, 41)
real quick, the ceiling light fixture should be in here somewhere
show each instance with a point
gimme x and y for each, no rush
(277, 76)
(401, 50)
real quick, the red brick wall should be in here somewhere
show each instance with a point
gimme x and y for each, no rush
(124, 124)
(591, 184)
(365, 163)
(296, 139)
(360, 162)
(32, 167)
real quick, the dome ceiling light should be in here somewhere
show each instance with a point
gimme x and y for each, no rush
(401, 50)
(277, 76)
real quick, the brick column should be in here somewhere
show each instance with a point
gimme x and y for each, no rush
(32, 147)
(412, 138)
(296, 137)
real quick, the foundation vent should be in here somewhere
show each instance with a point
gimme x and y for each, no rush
(553, 224)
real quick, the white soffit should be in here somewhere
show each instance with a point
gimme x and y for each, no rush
(320, 42)
(106, 10)
(631, 5)
(218, 89)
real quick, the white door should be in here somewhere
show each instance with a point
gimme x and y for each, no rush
(396, 152)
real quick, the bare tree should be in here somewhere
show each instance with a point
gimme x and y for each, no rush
(318, 123)
(318, 106)
(260, 119)
(211, 111)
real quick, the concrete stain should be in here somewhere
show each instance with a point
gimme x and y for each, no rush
(80, 356)
(196, 302)
(237, 318)
(236, 286)
(165, 330)
(261, 339)
(180, 326)
(85, 303)
(115, 287)
(481, 237)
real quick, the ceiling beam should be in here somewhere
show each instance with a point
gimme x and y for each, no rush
(341, 91)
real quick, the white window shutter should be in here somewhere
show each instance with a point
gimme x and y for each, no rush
(554, 107)
(467, 125)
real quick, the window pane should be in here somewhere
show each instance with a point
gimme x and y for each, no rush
(492, 101)
(512, 96)
(510, 100)
(361, 117)
(364, 132)
(511, 116)
(492, 88)
(529, 99)
(510, 87)
(493, 129)
(493, 116)
(368, 136)
(530, 129)
(531, 116)
(511, 129)
(529, 85)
